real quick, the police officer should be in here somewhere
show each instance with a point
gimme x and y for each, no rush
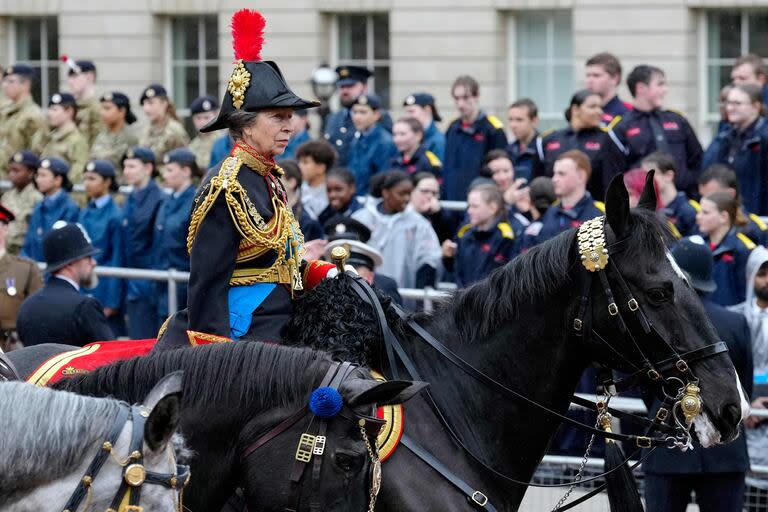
(574, 203)
(585, 133)
(679, 211)
(63, 139)
(341, 231)
(716, 474)
(139, 214)
(648, 127)
(102, 220)
(59, 313)
(162, 131)
(116, 135)
(468, 139)
(421, 105)
(339, 128)
(730, 249)
(81, 80)
(743, 146)
(203, 110)
(372, 148)
(413, 157)
(20, 117)
(719, 177)
(22, 198)
(53, 183)
(172, 223)
(19, 278)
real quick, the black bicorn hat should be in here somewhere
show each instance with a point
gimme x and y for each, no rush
(64, 244)
(254, 84)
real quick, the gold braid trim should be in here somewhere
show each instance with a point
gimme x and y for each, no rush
(258, 237)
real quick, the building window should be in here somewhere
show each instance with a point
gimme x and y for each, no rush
(363, 40)
(36, 42)
(729, 35)
(543, 66)
(194, 59)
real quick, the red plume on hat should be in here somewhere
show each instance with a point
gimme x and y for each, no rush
(248, 34)
(70, 62)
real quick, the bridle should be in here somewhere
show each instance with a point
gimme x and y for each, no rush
(683, 399)
(311, 446)
(134, 474)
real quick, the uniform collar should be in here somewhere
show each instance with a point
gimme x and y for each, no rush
(101, 202)
(54, 198)
(677, 202)
(576, 210)
(68, 280)
(474, 127)
(727, 244)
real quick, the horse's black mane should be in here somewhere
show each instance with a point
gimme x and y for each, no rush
(542, 271)
(243, 374)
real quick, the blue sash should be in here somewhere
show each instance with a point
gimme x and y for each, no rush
(243, 301)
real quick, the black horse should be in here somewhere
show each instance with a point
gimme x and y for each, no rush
(518, 327)
(234, 396)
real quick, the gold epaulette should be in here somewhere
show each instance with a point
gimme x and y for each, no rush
(758, 221)
(433, 160)
(748, 243)
(495, 122)
(695, 204)
(506, 230)
(463, 230)
(673, 229)
(599, 205)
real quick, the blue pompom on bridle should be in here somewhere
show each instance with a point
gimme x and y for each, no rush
(325, 402)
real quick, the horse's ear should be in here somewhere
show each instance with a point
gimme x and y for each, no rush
(648, 198)
(617, 206)
(366, 392)
(164, 404)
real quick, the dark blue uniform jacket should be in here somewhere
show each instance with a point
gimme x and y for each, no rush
(139, 216)
(103, 224)
(729, 271)
(44, 216)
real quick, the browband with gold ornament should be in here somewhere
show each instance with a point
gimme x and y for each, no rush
(591, 240)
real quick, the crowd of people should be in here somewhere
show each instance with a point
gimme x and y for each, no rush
(384, 179)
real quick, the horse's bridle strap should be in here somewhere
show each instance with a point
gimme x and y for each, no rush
(276, 431)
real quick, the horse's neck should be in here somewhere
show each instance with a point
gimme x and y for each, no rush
(530, 355)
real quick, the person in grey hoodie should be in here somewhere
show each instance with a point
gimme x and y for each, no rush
(755, 309)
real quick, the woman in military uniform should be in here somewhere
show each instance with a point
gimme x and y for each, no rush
(245, 244)
(163, 131)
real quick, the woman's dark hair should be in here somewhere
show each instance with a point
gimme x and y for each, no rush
(387, 180)
(422, 175)
(495, 154)
(237, 121)
(342, 174)
(319, 151)
(577, 100)
(292, 171)
(725, 202)
(414, 125)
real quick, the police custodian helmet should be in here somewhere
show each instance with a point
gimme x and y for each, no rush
(254, 84)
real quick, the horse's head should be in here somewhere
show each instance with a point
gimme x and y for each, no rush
(647, 321)
(339, 472)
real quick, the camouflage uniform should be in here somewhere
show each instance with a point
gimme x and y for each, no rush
(21, 203)
(68, 144)
(162, 138)
(19, 122)
(88, 118)
(112, 146)
(201, 147)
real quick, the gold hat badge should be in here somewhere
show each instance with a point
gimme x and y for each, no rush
(238, 84)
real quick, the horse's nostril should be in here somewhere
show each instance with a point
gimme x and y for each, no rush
(732, 414)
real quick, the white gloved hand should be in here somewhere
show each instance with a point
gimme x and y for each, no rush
(335, 271)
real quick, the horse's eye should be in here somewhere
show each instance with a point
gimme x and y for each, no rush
(657, 295)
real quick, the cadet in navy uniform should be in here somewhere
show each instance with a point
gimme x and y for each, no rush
(139, 216)
(743, 146)
(102, 220)
(601, 145)
(574, 204)
(408, 136)
(353, 236)
(648, 128)
(679, 211)
(342, 194)
(486, 243)
(719, 177)
(421, 105)
(59, 313)
(372, 147)
(51, 180)
(339, 128)
(716, 474)
(468, 139)
(717, 219)
(523, 117)
(603, 76)
(172, 223)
